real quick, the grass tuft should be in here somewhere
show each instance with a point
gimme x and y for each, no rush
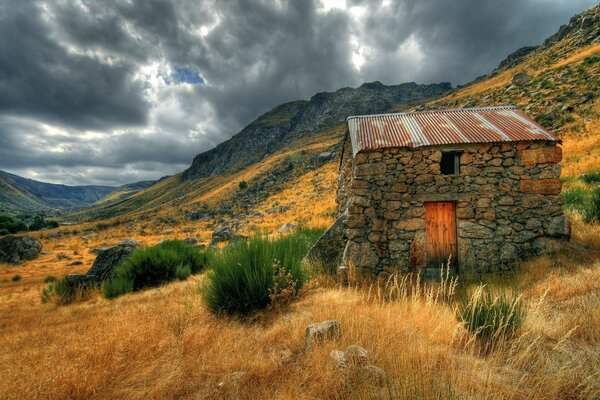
(488, 315)
(154, 266)
(248, 275)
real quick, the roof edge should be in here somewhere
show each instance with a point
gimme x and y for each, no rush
(451, 110)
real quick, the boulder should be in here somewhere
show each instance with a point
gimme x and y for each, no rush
(319, 332)
(130, 243)
(98, 250)
(520, 79)
(328, 250)
(191, 240)
(109, 259)
(15, 249)
(222, 234)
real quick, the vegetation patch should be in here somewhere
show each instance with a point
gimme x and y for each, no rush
(584, 198)
(154, 266)
(251, 275)
(488, 315)
(9, 225)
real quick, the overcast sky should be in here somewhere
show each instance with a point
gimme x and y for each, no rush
(110, 92)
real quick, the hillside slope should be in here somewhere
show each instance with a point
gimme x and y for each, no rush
(279, 153)
(297, 129)
(18, 194)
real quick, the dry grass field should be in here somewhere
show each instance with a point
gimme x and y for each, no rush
(163, 343)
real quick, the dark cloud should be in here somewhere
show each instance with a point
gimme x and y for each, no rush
(107, 91)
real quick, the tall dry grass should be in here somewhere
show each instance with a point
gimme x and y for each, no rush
(163, 343)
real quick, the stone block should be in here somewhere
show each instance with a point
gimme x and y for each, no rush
(544, 155)
(541, 186)
(370, 169)
(411, 224)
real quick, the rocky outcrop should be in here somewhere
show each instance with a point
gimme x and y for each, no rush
(516, 57)
(288, 122)
(108, 260)
(521, 79)
(222, 234)
(327, 251)
(16, 249)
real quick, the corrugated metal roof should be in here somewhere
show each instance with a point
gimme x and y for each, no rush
(440, 127)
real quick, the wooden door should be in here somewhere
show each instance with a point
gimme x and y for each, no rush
(440, 235)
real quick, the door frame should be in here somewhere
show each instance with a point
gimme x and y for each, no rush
(456, 261)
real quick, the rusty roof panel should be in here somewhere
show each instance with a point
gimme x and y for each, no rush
(441, 127)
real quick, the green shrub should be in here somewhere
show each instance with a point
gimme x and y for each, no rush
(243, 185)
(16, 278)
(56, 288)
(49, 278)
(155, 266)
(591, 177)
(9, 224)
(591, 207)
(117, 287)
(182, 272)
(248, 275)
(490, 316)
(573, 197)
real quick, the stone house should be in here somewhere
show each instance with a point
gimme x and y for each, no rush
(479, 187)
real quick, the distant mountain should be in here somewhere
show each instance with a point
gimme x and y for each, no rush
(23, 194)
(300, 119)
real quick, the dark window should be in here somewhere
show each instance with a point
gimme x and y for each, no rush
(450, 164)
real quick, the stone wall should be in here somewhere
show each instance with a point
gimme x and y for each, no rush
(507, 196)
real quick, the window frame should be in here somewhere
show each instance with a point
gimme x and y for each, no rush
(456, 161)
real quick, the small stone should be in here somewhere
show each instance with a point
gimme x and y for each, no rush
(356, 355)
(373, 375)
(339, 358)
(319, 332)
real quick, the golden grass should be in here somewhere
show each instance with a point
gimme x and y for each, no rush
(163, 343)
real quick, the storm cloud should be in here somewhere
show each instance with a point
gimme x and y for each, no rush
(110, 92)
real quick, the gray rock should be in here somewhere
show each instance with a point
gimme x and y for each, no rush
(191, 240)
(373, 375)
(98, 250)
(339, 358)
(359, 255)
(328, 250)
(222, 234)
(521, 79)
(319, 332)
(279, 209)
(74, 263)
(130, 243)
(15, 249)
(559, 227)
(108, 260)
(356, 355)
(286, 227)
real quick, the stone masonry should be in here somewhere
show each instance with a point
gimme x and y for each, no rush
(507, 198)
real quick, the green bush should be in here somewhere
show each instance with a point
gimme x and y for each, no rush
(243, 185)
(9, 224)
(591, 177)
(490, 316)
(49, 278)
(591, 207)
(56, 288)
(16, 278)
(573, 197)
(155, 266)
(182, 272)
(116, 287)
(247, 275)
